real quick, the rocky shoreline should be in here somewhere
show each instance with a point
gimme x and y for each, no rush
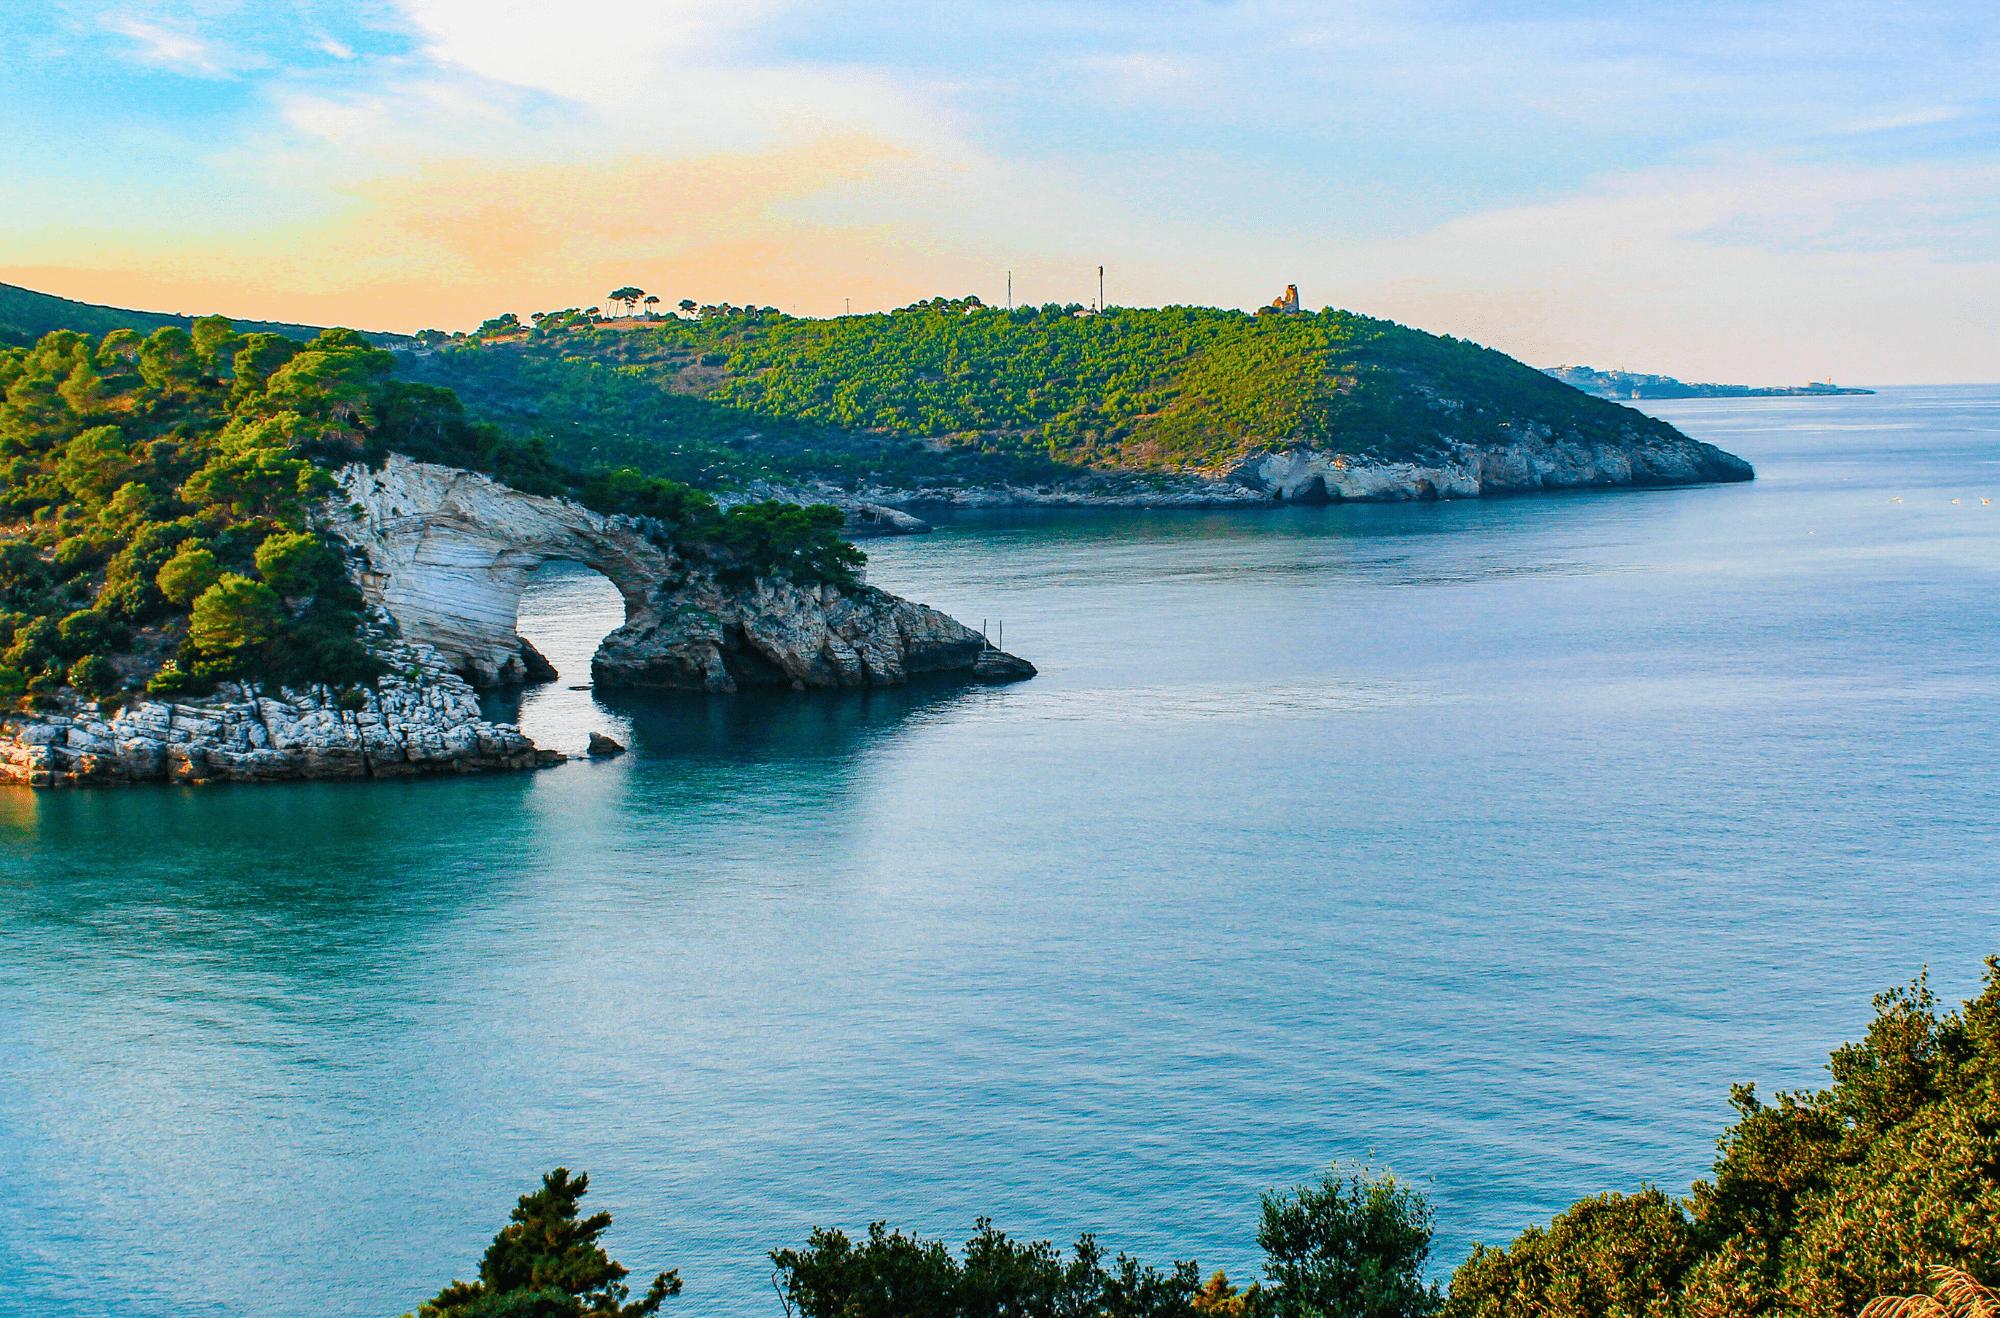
(1540, 460)
(423, 719)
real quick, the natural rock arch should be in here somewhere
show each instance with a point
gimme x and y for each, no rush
(449, 554)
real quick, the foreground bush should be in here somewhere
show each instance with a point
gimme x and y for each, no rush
(1820, 1201)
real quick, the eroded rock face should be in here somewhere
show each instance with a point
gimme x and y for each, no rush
(700, 634)
(447, 554)
(1538, 460)
(422, 718)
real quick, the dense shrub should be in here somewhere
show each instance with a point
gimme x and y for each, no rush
(138, 480)
(1819, 1201)
(1885, 1183)
(547, 1263)
(1353, 1246)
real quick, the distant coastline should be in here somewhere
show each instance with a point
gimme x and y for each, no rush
(1623, 385)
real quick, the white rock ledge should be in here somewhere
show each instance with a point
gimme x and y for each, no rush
(423, 718)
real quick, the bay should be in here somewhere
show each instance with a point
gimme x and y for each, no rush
(1489, 841)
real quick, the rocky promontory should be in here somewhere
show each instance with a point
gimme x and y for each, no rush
(442, 556)
(447, 553)
(1535, 458)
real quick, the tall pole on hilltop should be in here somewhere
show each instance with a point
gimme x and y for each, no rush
(1010, 290)
(1100, 288)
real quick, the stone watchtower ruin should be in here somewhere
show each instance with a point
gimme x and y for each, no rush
(1285, 304)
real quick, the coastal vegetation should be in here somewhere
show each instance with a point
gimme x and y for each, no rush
(162, 499)
(953, 390)
(1873, 1196)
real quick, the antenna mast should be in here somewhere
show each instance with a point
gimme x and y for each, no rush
(1100, 288)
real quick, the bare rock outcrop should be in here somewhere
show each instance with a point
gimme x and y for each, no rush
(447, 554)
(422, 718)
(1537, 459)
(701, 634)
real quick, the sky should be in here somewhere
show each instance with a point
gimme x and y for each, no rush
(1755, 192)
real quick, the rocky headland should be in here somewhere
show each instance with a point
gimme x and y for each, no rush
(442, 556)
(952, 404)
(447, 554)
(1540, 459)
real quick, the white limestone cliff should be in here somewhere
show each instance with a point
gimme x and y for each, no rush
(1533, 459)
(447, 554)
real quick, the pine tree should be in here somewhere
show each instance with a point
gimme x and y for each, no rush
(547, 1263)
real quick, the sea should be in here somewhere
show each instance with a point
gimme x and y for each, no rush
(1485, 842)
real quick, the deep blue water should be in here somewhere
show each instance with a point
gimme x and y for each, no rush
(1491, 841)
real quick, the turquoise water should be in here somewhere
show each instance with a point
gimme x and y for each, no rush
(1491, 841)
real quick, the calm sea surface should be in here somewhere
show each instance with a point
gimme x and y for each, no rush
(1488, 841)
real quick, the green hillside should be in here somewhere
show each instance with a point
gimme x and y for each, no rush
(951, 389)
(26, 316)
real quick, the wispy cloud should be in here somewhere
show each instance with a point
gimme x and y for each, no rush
(1897, 120)
(175, 48)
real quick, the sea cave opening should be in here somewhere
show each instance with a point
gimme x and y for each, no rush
(565, 612)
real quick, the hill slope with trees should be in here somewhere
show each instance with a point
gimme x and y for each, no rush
(26, 316)
(953, 392)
